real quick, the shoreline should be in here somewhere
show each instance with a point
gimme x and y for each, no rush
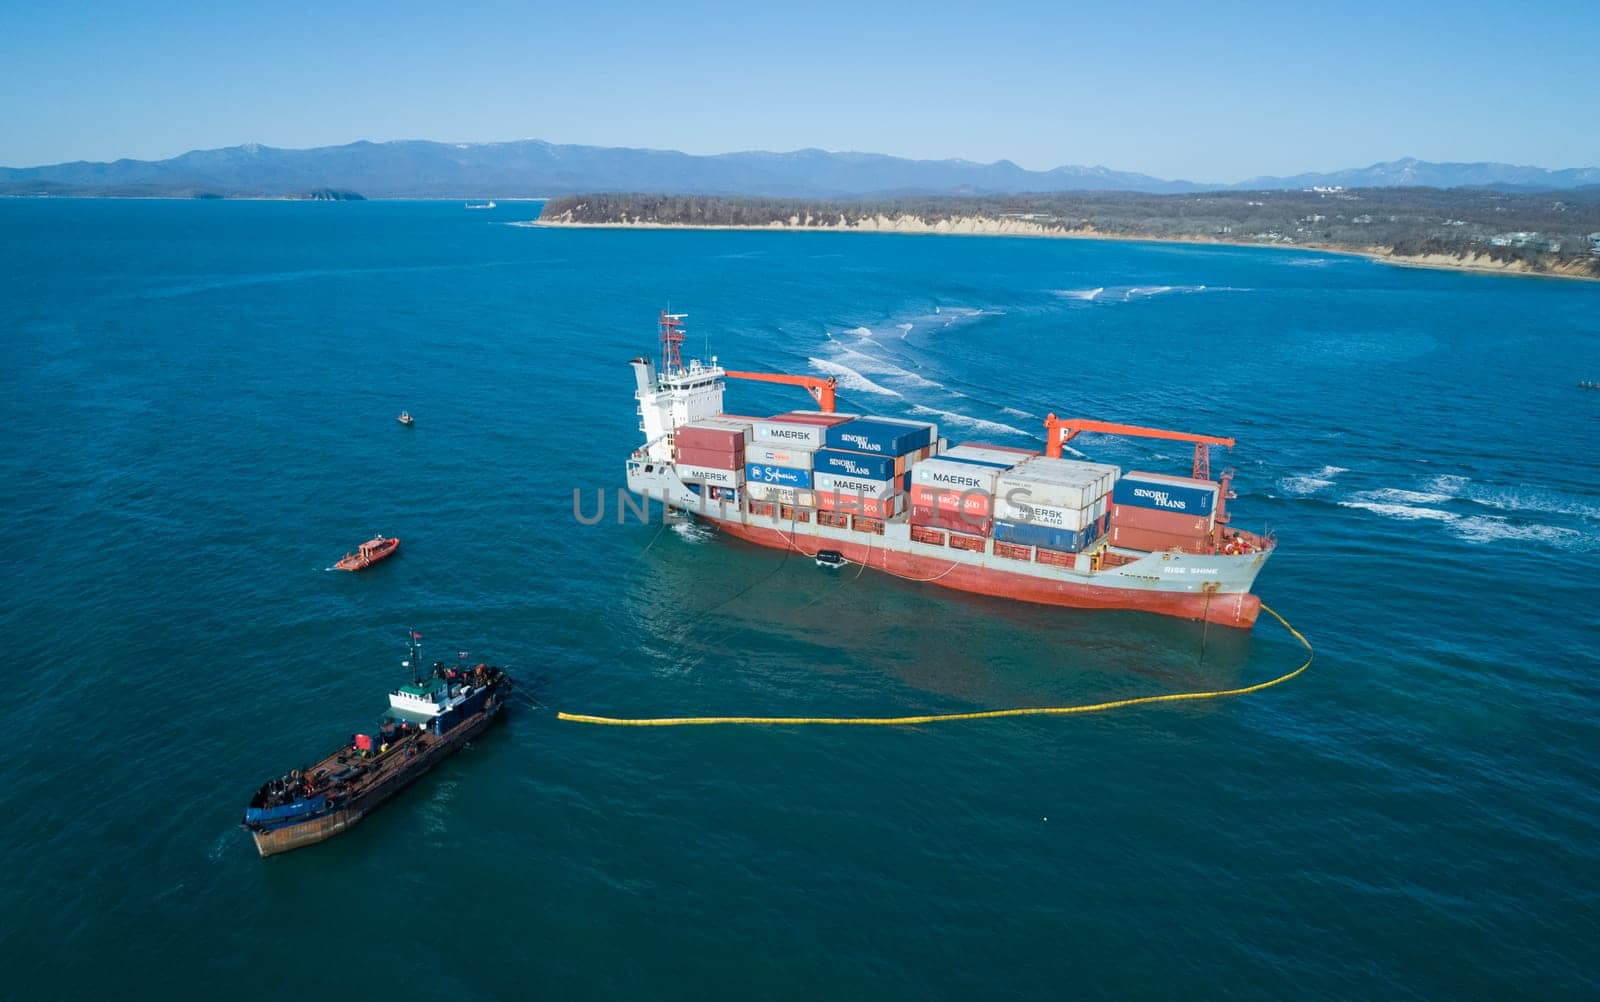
(988, 227)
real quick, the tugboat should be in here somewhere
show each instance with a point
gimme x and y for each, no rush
(373, 550)
(433, 717)
(406, 419)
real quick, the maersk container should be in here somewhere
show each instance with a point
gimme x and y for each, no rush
(1058, 483)
(865, 486)
(852, 464)
(1071, 519)
(780, 495)
(789, 434)
(777, 455)
(954, 475)
(878, 437)
(1024, 534)
(783, 476)
(1165, 493)
(709, 476)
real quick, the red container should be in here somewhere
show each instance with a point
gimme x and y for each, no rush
(974, 504)
(709, 438)
(1154, 520)
(943, 518)
(855, 504)
(1154, 542)
(713, 459)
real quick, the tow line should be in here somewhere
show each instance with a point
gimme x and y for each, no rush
(935, 718)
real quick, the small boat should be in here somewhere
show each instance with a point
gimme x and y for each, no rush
(373, 550)
(831, 559)
(430, 719)
(1588, 385)
(406, 419)
(480, 205)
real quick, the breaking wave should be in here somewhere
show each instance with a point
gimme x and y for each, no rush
(1085, 295)
(882, 367)
(1304, 484)
(1131, 293)
(863, 331)
(850, 378)
(979, 424)
(1410, 506)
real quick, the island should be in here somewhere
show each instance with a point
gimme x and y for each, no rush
(1556, 233)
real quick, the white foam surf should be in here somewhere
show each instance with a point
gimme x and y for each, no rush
(863, 331)
(1304, 484)
(979, 424)
(851, 379)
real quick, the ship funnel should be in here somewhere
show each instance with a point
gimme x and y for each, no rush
(644, 373)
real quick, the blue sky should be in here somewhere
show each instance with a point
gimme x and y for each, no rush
(1205, 91)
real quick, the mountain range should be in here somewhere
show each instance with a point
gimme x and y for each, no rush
(534, 168)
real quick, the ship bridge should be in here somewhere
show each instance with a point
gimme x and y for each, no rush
(677, 394)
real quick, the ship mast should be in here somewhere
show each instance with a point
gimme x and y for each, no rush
(672, 342)
(414, 656)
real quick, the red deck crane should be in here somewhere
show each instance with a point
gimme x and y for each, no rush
(1061, 430)
(820, 389)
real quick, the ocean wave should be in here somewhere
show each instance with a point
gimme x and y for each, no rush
(979, 424)
(1400, 496)
(882, 367)
(851, 379)
(1021, 414)
(1303, 484)
(1479, 529)
(1132, 293)
(1516, 499)
(1084, 295)
(904, 327)
(863, 331)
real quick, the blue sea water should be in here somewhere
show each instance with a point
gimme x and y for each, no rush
(198, 402)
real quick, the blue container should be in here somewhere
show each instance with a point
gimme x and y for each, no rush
(1024, 534)
(880, 438)
(905, 482)
(853, 464)
(1185, 498)
(981, 462)
(783, 476)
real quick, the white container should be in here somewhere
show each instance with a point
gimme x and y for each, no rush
(777, 455)
(780, 495)
(948, 474)
(999, 458)
(1057, 483)
(789, 434)
(707, 475)
(1033, 513)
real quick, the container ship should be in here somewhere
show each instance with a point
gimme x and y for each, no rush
(892, 495)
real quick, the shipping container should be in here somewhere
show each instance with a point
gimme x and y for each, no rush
(711, 476)
(780, 495)
(782, 476)
(709, 458)
(922, 534)
(1144, 539)
(1157, 520)
(855, 504)
(1013, 551)
(945, 518)
(1165, 493)
(778, 455)
(853, 464)
(708, 436)
(913, 423)
(1024, 534)
(878, 437)
(987, 455)
(969, 504)
(1057, 483)
(788, 434)
(1051, 515)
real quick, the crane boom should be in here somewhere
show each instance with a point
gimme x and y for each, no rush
(1060, 430)
(821, 390)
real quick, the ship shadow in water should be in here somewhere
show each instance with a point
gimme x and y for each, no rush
(780, 622)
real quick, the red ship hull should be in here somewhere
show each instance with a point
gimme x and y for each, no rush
(1235, 609)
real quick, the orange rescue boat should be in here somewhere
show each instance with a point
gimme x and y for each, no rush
(369, 553)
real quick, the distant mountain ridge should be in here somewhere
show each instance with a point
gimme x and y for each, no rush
(535, 168)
